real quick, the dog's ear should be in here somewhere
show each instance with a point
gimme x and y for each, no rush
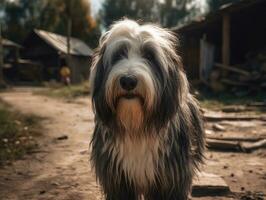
(96, 73)
(97, 80)
(177, 80)
(175, 92)
(182, 89)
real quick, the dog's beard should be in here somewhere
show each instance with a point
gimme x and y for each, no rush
(130, 114)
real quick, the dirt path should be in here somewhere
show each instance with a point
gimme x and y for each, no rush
(61, 170)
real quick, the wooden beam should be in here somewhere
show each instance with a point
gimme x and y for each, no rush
(2, 82)
(232, 68)
(217, 118)
(227, 145)
(205, 184)
(226, 39)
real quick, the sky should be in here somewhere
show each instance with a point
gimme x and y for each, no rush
(95, 6)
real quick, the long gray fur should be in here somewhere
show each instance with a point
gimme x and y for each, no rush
(174, 120)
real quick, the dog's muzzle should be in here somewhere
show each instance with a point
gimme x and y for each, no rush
(128, 82)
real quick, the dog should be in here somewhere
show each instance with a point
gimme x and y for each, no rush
(148, 140)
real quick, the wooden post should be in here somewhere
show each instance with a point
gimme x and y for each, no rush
(226, 39)
(69, 28)
(2, 82)
(69, 32)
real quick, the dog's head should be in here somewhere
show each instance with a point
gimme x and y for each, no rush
(137, 78)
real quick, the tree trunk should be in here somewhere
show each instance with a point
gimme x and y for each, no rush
(69, 30)
(226, 41)
(2, 82)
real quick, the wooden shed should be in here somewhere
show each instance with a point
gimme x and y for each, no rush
(50, 50)
(225, 36)
(11, 59)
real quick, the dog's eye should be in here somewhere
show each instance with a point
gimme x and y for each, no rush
(119, 55)
(150, 56)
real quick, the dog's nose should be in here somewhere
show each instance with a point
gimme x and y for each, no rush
(128, 82)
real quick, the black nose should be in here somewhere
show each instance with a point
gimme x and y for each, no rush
(128, 82)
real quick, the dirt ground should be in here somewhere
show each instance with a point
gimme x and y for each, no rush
(60, 169)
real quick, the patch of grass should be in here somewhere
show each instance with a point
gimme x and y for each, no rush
(17, 133)
(218, 101)
(69, 92)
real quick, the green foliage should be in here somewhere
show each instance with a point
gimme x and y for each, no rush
(56, 13)
(216, 101)
(16, 133)
(22, 16)
(65, 92)
(167, 12)
(216, 4)
(134, 9)
(172, 11)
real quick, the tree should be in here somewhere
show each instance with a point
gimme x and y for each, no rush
(22, 16)
(172, 11)
(166, 12)
(216, 4)
(146, 10)
(57, 14)
(2, 82)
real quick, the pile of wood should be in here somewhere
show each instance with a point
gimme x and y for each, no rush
(246, 145)
(250, 76)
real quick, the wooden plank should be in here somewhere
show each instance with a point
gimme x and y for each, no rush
(248, 147)
(225, 145)
(237, 108)
(206, 58)
(2, 83)
(232, 68)
(226, 39)
(239, 139)
(257, 104)
(215, 118)
(234, 83)
(206, 184)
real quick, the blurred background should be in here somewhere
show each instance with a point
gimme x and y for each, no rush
(46, 119)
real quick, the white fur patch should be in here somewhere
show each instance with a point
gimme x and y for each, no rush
(138, 157)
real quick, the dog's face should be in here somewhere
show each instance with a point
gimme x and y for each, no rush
(137, 78)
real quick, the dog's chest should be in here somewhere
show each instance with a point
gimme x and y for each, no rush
(138, 158)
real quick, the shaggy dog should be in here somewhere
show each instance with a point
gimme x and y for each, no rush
(148, 139)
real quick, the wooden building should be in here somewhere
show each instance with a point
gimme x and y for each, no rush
(50, 50)
(11, 59)
(225, 36)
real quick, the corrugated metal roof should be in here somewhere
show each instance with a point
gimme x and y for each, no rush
(59, 42)
(192, 21)
(9, 43)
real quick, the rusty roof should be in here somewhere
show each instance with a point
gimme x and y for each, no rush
(59, 42)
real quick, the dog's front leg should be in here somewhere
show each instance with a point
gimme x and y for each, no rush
(121, 191)
(166, 194)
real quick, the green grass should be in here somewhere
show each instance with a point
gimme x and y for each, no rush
(17, 133)
(220, 100)
(68, 92)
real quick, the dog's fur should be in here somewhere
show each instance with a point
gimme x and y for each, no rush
(147, 142)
